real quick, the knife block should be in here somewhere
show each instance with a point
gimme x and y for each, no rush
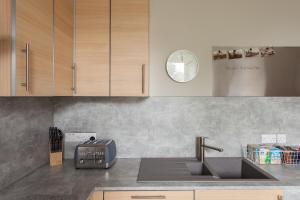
(56, 158)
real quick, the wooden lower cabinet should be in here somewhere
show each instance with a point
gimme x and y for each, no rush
(238, 195)
(152, 195)
(189, 195)
(96, 196)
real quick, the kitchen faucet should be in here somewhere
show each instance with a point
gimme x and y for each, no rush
(200, 148)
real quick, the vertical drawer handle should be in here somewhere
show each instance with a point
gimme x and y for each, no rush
(26, 51)
(149, 197)
(143, 78)
(74, 88)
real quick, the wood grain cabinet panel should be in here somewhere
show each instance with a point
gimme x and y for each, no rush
(34, 26)
(129, 47)
(5, 47)
(153, 195)
(92, 47)
(96, 196)
(63, 56)
(239, 195)
(111, 48)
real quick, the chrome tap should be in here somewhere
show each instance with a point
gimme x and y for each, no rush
(200, 148)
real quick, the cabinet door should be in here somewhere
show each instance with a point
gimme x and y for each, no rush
(96, 196)
(129, 47)
(5, 47)
(92, 47)
(153, 195)
(239, 195)
(63, 56)
(34, 26)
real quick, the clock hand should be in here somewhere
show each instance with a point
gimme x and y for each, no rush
(189, 63)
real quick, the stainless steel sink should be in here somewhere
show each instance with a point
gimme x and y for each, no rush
(191, 170)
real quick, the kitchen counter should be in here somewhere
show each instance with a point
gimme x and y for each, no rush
(67, 183)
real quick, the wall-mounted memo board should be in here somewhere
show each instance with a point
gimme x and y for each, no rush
(256, 71)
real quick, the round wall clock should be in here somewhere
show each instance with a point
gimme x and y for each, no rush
(182, 66)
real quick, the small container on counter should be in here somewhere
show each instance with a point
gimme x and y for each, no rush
(264, 154)
(275, 156)
(55, 146)
(291, 155)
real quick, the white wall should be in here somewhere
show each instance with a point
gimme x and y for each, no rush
(198, 25)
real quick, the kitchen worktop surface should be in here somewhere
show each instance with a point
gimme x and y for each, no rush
(67, 183)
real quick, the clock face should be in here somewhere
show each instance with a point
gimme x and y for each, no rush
(182, 66)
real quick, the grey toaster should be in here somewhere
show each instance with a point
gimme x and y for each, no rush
(95, 154)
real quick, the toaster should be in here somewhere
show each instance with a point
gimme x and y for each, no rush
(95, 154)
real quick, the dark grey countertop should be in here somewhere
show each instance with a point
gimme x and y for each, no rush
(67, 183)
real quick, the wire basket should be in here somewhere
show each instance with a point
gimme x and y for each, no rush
(273, 155)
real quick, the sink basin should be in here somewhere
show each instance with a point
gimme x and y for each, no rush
(173, 169)
(237, 169)
(197, 168)
(191, 170)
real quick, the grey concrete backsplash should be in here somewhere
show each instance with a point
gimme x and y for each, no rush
(167, 126)
(142, 127)
(24, 126)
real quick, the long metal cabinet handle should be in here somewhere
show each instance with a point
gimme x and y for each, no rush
(149, 197)
(26, 51)
(74, 88)
(143, 78)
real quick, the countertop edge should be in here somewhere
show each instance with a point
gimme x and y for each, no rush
(190, 188)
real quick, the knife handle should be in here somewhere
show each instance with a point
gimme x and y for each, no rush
(51, 139)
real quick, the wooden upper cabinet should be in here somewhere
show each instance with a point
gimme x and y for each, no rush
(129, 47)
(109, 51)
(5, 47)
(239, 195)
(92, 47)
(34, 29)
(63, 53)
